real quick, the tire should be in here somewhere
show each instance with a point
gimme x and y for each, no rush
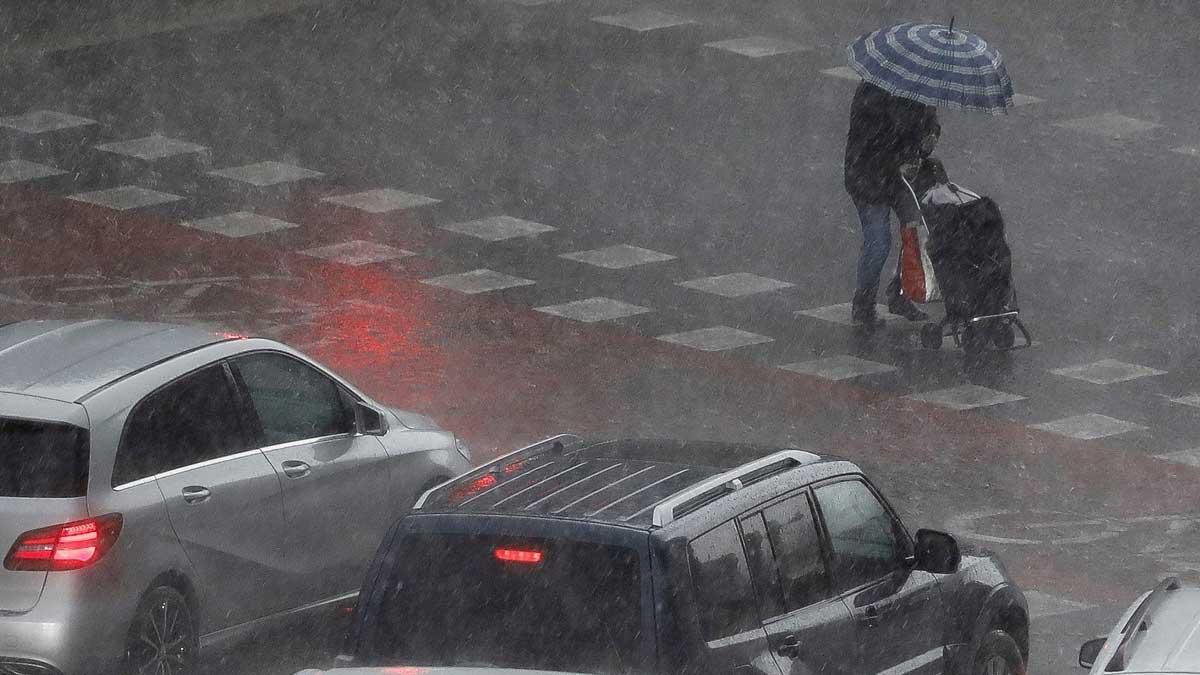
(1004, 336)
(931, 336)
(998, 654)
(162, 637)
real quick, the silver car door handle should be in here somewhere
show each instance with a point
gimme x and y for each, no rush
(294, 468)
(194, 494)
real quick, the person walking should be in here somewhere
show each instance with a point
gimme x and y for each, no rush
(886, 133)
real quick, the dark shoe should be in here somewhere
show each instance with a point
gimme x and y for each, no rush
(862, 311)
(902, 306)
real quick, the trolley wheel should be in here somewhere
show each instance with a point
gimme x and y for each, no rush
(974, 340)
(1004, 336)
(931, 336)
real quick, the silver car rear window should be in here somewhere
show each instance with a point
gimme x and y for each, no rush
(42, 459)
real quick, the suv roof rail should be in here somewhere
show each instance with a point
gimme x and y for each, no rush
(557, 443)
(1132, 627)
(702, 493)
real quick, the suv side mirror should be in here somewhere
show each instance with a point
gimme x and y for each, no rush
(1090, 651)
(370, 421)
(937, 552)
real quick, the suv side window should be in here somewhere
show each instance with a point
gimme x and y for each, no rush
(761, 555)
(191, 420)
(293, 401)
(866, 540)
(721, 579)
(798, 551)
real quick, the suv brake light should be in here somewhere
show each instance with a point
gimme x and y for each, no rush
(69, 546)
(518, 555)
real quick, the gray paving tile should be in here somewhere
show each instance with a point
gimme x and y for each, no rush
(836, 368)
(266, 174)
(1109, 125)
(842, 73)
(618, 257)
(151, 148)
(1022, 100)
(757, 47)
(840, 314)
(358, 253)
(735, 285)
(499, 228)
(1190, 399)
(965, 397)
(240, 224)
(1107, 371)
(126, 197)
(591, 310)
(1088, 427)
(715, 339)
(643, 20)
(381, 201)
(19, 170)
(1187, 457)
(478, 281)
(42, 121)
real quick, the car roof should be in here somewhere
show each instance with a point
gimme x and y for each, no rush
(1171, 641)
(639, 483)
(68, 360)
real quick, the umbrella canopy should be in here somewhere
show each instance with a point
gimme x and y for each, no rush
(935, 65)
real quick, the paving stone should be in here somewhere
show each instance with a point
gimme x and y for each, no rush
(618, 257)
(643, 20)
(1109, 125)
(757, 47)
(358, 253)
(266, 174)
(715, 339)
(1088, 427)
(1107, 371)
(43, 121)
(591, 310)
(240, 224)
(499, 228)
(126, 197)
(381, 201)
(478, 281)
(842, 367)
(151, 148)
(735, 285)
(19, 170)
(965, 397)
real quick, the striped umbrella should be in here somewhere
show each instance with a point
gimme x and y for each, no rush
(935, 65)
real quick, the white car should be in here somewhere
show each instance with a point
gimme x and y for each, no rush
(1157, 635)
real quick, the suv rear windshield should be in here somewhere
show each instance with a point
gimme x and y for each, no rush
(528, 603)
(42, 459)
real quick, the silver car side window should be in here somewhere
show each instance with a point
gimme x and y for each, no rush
(291, 400)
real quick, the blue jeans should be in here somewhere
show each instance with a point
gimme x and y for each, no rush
(877, 243)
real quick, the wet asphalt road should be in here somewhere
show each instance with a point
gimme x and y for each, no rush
(727, 163)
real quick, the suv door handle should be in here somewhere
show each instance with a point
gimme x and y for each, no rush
(869, 616)
(790, 648)
(294, 468)
(194, 494)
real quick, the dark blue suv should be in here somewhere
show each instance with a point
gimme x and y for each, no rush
(673, 557)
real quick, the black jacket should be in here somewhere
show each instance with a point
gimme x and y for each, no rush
(885, 132)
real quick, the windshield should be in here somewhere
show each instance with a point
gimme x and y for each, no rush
(42, 459)
(516, 603)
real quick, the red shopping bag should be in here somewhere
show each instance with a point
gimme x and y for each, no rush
(916, 270)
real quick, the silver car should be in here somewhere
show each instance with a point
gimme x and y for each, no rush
(1157, 635)
(165, 490)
